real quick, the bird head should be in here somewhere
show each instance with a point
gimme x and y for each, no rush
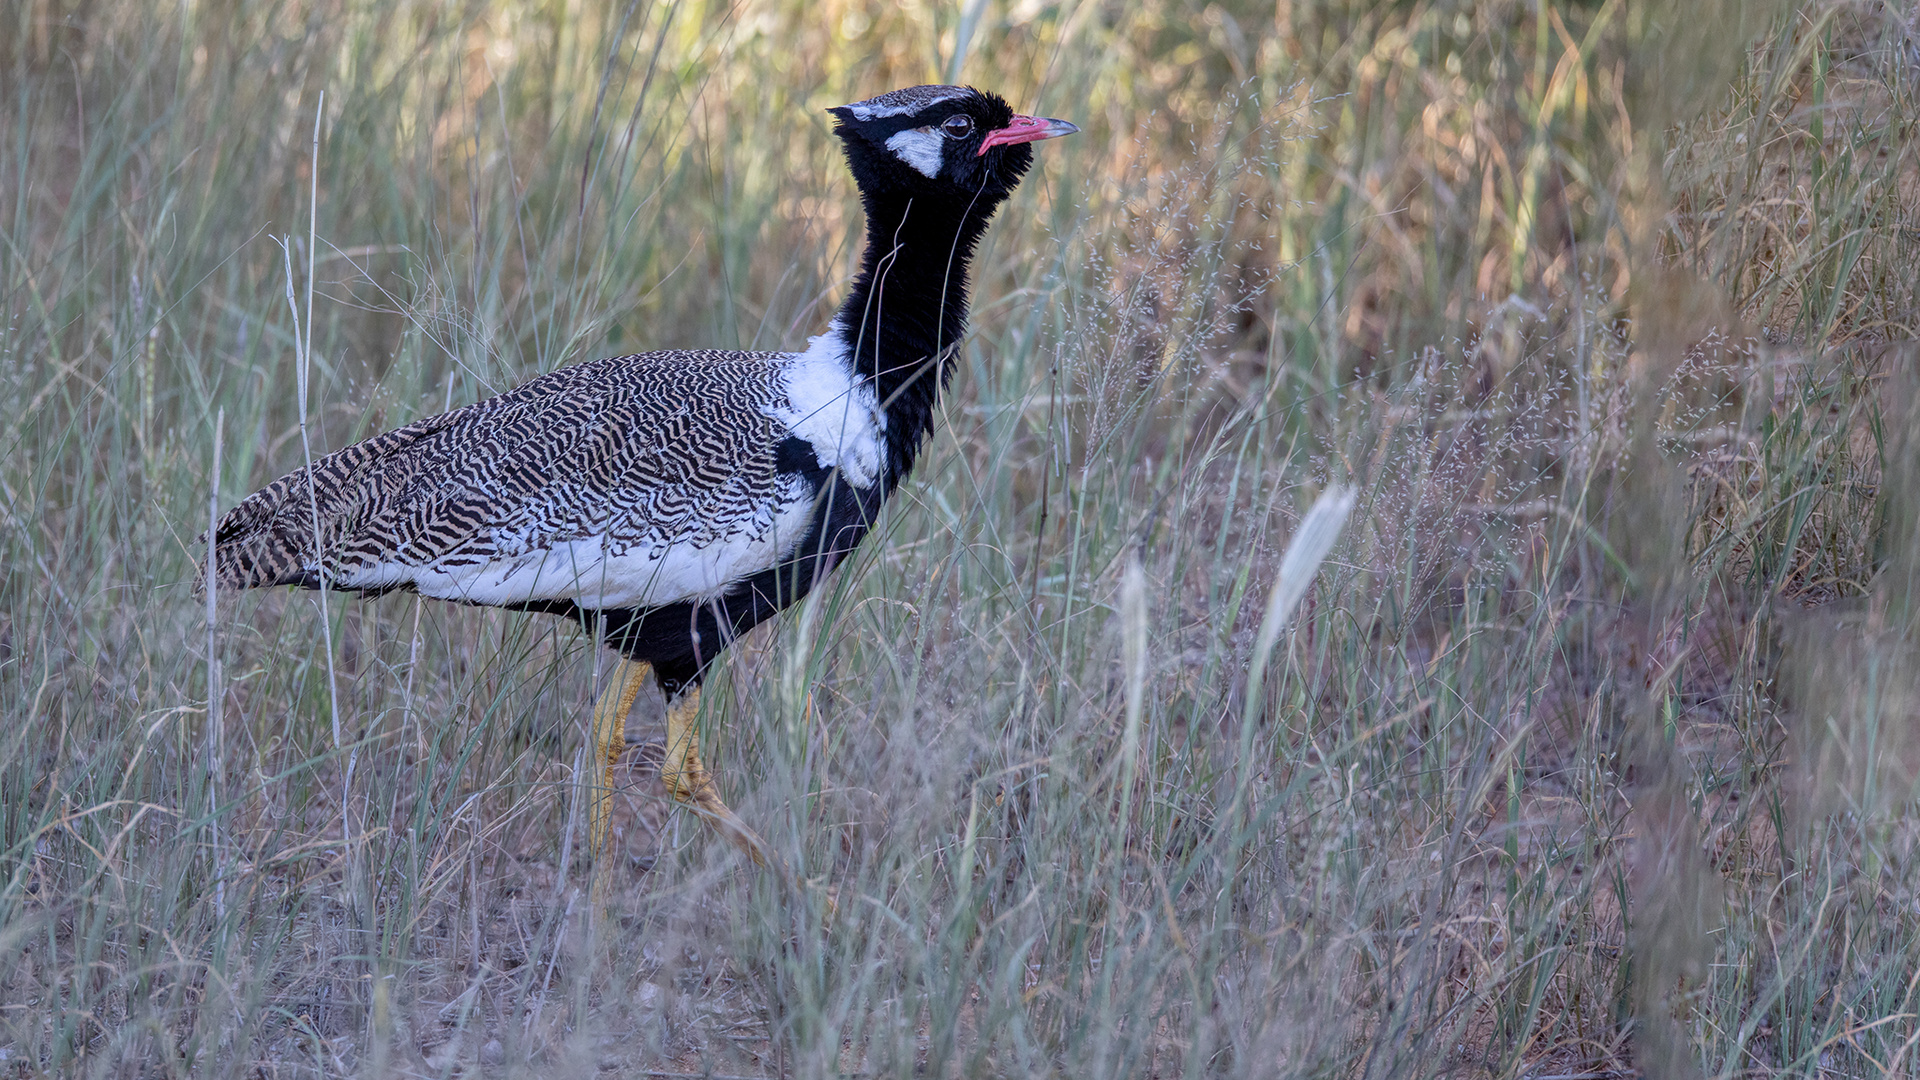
(941, 140)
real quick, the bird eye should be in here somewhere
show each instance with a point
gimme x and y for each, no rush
(958, 127)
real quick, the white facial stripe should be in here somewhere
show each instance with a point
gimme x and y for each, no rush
(920, 148)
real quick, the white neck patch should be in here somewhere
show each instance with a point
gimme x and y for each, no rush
(920, 148)
(833, 409)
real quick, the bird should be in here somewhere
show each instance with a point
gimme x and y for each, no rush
(671, 501)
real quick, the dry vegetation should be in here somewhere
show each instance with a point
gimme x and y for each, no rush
(1592, 753)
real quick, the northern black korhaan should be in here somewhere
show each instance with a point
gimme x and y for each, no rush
(670, 501)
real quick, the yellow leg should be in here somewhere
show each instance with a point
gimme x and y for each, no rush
(687, 778)
(609, 741)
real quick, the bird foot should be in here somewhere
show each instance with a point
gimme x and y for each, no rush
(695, 789)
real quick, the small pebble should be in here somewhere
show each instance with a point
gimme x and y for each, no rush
(492, 1053)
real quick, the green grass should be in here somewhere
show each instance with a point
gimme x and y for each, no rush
(1592, 749)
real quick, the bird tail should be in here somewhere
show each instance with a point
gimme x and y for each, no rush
(253, 546)
(292, 530)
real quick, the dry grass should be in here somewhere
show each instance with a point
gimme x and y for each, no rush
(1591, 753)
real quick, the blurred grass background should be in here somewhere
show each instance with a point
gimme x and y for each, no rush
(1593, 752)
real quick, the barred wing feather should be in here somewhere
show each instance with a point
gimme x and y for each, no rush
(628, 482)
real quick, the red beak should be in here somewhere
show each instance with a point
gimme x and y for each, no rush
(1026, 129)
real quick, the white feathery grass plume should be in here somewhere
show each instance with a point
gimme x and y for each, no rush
(1305, 552)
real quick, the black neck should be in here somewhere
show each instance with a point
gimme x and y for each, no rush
(908, 308)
